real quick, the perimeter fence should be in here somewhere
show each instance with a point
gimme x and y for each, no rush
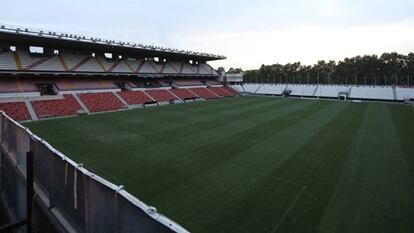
(67, 197)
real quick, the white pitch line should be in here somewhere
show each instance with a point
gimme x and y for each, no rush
(255, 172)
(288, 210)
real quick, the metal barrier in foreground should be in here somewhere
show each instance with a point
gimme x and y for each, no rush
(42, 190)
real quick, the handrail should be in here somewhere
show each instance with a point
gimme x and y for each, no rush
(149, 210)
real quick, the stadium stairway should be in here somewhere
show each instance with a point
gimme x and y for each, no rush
(178, 98)
(134, 98)
(231, 91)
(183, 93)
(101, 102)
(203, 93)
(16, 110)
(81, 103)
(394, 92)
(215, 94)
(152, 98)
(161, 95)
(195, 94)
(258, 88)
(63, 106)
(315, 91)
(228, 92)
(121, 99)
(219, 91)
(31, 110)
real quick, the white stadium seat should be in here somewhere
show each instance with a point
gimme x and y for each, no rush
(404, 93)
(370, 92)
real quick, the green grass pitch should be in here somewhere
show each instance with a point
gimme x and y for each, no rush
(256, 164)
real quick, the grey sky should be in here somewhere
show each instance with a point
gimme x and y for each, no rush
(249, 33)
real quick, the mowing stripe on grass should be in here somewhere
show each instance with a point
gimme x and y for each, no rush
(317, 165)
(253, 164)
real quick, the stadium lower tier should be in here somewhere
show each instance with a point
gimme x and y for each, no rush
(161, 95)
(16, 110)
(204, 93)
(101, 102)
(72, 103)
(68, 106)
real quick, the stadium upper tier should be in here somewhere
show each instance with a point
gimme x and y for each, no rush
(15, 35)
(23, 61)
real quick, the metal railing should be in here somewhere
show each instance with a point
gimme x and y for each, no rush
(73, 198)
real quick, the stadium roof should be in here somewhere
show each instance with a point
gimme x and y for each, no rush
(50, 39)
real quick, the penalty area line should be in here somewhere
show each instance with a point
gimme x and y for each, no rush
(282, 219)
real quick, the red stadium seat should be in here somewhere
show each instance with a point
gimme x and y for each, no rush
(16, 110)
(134, 97)
(220, 91)
(101, 102)
(183, 93)
(68, 106)
(161, 95)
(204, 93)
(231, 91)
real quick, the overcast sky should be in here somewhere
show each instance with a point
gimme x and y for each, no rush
(248, 32)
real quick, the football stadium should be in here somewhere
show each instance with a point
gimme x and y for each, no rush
(100, 135)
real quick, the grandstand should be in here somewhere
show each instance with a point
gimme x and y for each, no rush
(37, 86)
(46, 74)
(209, 161)
(348, 92)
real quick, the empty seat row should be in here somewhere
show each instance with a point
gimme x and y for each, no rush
(405, 93)
(142, 97)
(161, 95)
(204, 93)
(68, 106)
(219, 91)
(23, 60)
(101, 102)
(183, 93)
(16, 110)
(135, 97)
(231, 91)
(382, 93)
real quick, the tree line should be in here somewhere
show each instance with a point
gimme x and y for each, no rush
(387, 69)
